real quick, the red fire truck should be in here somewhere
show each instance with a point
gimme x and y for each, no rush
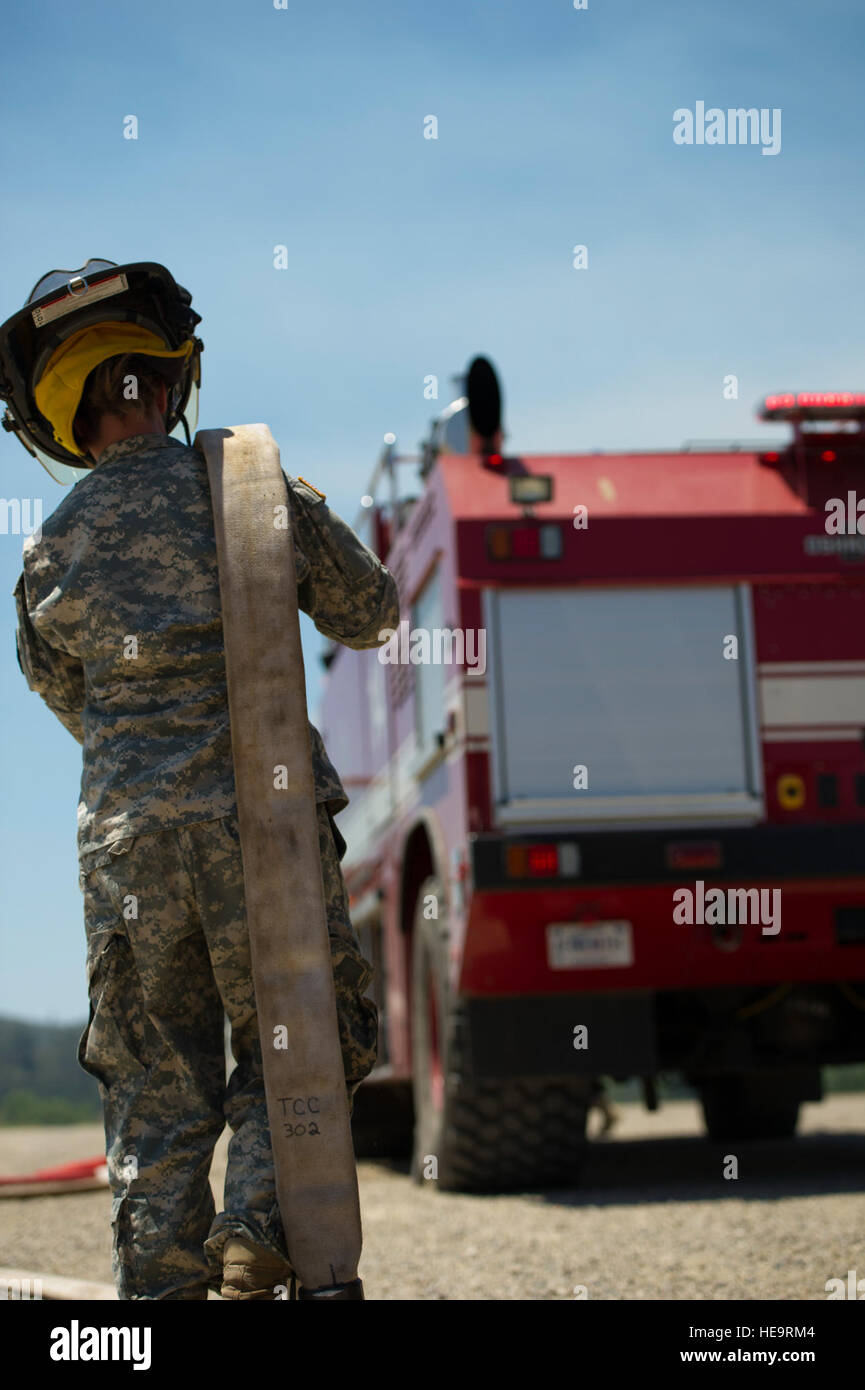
(607, 785)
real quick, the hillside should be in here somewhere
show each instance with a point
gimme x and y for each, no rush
(42, 1083)
(40, 1079)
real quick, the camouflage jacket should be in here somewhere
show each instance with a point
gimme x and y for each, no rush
(119, 631)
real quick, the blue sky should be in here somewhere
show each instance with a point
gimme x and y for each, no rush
(303, 127)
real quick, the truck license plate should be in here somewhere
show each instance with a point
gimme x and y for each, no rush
(587, 945)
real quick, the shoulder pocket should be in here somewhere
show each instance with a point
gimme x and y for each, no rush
(311, 497)
(349, 554)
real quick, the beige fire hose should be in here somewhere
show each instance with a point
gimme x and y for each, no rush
(307, 1104)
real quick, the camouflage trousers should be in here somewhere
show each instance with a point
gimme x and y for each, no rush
(167, 958)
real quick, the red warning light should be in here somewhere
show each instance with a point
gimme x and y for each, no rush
(495, 460)
(525, 542)
(543, 860)
(828, 456)
(828, 400)
(814, 405)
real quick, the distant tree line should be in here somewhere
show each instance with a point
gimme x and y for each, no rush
(41, 1082)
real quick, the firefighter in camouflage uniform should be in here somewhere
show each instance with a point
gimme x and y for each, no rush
(119, 631)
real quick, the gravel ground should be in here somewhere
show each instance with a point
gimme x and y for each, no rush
(654, 1218)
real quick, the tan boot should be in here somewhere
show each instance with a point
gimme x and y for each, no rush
(249, 1272)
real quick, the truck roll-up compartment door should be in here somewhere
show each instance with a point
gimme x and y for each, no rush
(634, 686)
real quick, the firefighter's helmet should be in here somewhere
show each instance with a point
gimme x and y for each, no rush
(74, 320)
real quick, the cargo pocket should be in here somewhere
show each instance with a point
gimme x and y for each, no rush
(358, 1034)
(356, 1013)
(94, 1056)
(351, 970)
(107, 1047)
(123, 1249)
(110, 1046)
(92, 861)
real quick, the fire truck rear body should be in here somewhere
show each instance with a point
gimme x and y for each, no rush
(640, 796)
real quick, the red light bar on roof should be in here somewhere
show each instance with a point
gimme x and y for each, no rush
(814, 405)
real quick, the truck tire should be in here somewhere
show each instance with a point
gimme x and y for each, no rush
(748, 1107)
(480, 1136)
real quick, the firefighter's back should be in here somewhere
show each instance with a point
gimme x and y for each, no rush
(125, 579)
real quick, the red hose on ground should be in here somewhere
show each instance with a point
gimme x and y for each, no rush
(67, 1172)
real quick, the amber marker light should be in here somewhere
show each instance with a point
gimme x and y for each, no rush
(790, 790)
